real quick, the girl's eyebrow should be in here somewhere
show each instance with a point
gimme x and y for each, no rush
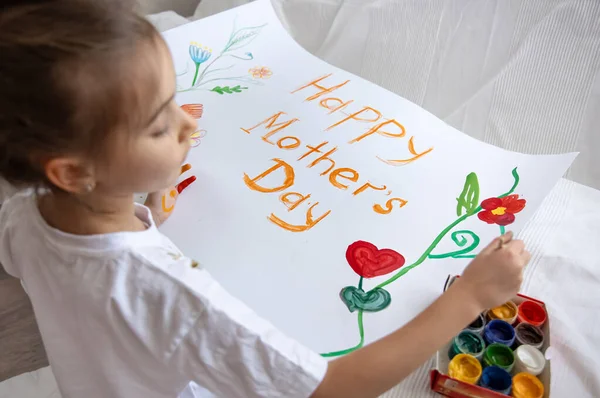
(159, 110)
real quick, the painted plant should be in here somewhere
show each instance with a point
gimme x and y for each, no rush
(211, 67)
(368, 261)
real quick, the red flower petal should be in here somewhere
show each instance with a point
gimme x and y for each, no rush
(513, 204)
(505, 219)
(487, 216)
(368, 261)
(491, 204)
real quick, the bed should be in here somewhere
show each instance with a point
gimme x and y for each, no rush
(521, 75)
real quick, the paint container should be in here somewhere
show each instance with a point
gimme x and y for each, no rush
(526, 385)
(527, 334)
(466, 368)
(467, 342)
(532, 313)
(499, 355)
(477, 325)
(496, 379)
(529, 359)
(498, 331)
(506, 312)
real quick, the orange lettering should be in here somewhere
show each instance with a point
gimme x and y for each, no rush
(299, 228)
(389, 206)
(313, 149)
(367, 186)
(355, 116)
(338, 173)
(341, 104)
(270, 124)
(292, 204)
(288, 182)
(324, 157)
(324, 90)
(294, 144)
(411, 149)
(383, 133)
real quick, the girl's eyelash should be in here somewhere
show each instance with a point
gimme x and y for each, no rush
(160, 133)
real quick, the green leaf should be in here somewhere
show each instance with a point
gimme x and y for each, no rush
(228, 90)
(371, 301)
(468, 200)
(242, 37)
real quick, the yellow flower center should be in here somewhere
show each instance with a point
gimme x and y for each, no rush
(499, 211)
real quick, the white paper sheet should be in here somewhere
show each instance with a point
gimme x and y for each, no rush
(294, 279)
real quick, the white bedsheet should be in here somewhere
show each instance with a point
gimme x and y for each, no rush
(524, 75)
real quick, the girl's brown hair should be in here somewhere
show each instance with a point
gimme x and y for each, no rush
(63, 73)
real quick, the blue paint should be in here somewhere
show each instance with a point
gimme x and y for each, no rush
(499, 331)
(496, 379)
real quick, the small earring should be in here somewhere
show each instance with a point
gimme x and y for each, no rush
(89, 187)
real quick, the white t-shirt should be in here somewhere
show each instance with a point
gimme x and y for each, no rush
(127, 315)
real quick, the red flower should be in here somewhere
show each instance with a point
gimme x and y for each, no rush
(368, 261)
(501, 211)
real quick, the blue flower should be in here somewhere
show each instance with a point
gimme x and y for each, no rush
(198, 53)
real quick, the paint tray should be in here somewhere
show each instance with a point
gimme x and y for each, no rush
(445, 385)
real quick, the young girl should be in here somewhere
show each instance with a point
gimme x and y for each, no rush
(87, 118)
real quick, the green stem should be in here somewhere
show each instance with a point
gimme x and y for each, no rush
(437, 240)
(432, 246)
(502, 230)
(196, 74)
(512, 189)
(360, 281)
(361, 331)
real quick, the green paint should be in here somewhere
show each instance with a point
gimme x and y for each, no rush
(438, 238)
(229, 90)
(469, 197)
(196, 74)
(459, 238)
(361, 332)
(499, 355)
(502, 230)
(426, 254)
(467, 342)
(372, 301)
(515, 175)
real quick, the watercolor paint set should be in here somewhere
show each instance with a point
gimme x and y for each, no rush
(501, 353)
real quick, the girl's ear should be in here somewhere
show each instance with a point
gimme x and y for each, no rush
(71, 174)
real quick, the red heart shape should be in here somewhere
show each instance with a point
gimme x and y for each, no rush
(368, 261)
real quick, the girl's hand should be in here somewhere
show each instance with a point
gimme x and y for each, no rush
(162, 203)
(495, 275)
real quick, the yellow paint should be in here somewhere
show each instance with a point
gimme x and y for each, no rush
(526, 385)
(499, 211)
(506, 312)
(465, 368)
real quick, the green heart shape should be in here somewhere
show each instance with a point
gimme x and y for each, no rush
(371, 301)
